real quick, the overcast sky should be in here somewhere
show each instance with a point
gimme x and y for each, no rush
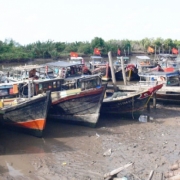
(27, 21)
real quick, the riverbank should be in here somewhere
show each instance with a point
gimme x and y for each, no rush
(75, 152)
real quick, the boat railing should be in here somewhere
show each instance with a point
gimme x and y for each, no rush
(148, 83)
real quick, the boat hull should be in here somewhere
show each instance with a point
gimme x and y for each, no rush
(125, 106)
(83, 107)
(29, 117)
(128, 103)
(130, 75)
(168, 97)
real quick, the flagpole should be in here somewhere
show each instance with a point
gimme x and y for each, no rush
(155, 54)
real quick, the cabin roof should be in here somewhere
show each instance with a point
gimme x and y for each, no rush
(124, 57)
(27, 67)
(142, 57)
(82, 77)
(159, 73)
(74, 58)
(62, 64)
(168, 55)
(96, 57)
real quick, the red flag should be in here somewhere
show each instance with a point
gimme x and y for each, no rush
(97, 51)
(174, 51)
(150, 50)
(118, 52)
(73, 54)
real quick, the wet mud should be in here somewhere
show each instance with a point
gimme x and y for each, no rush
(69, 151)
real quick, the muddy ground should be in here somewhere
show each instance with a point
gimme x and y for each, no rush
(77, 153)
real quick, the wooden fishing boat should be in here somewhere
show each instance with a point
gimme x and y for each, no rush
(123, 102)
(144, 62)
(170, 92)
(131, 71)
(25, 113)
(79, 100)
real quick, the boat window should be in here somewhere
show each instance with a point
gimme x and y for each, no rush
(174, 80)
(90, 84)
(58, 83)
(47, 85)
(68, 85)
(79, 84)
(54, 84)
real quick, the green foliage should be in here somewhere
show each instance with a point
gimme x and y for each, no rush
(11, 50)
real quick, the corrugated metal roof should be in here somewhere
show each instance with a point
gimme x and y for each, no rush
(27, 67)
(142, 57)
(62, 64)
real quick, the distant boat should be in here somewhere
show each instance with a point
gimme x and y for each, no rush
(130, 69)
(170, 92)
(99, 65)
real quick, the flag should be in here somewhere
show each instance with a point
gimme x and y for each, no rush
(150, 50)
(97, 51)
(174, 51)
(118, 52)
(73, 54)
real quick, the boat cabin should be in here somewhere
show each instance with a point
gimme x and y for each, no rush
(83, 82)
(117, 63)
(63, 69)
(96, 61)
(20, 73)
(79, 60)
(168, 60)
(144, 62)
(154, 77)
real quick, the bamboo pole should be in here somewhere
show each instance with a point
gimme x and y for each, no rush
(112, 71)
(123, 71)
(29, 89)
(154, 100)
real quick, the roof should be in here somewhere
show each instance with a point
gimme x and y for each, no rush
(142, 57)
(27, 67)
(168, 55)
(62, 64)
(76, 58)
(159, 73)
(96, 57)
(124, 57)
(83, 77)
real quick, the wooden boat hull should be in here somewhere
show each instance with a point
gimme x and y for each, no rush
(130, 75)
(83, 107)
(124, 106)
(29, 116)
(128, 104)
(168, 97)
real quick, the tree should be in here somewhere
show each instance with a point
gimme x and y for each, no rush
(98, 43)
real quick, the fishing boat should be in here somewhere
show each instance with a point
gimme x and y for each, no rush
(125, 103)
(168, 60)
(78, 59)
(144, 62)
(80, 98)
(24, 113)
(131, 71)
(99, 65)
(169, 77)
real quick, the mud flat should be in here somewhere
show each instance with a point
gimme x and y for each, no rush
(80, 153)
